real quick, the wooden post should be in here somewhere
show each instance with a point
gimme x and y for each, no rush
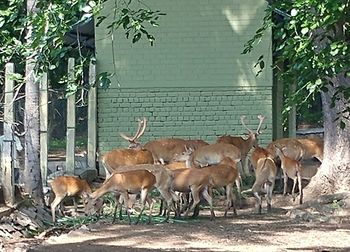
(292, 121)
(277, 104)
(8, 146)
(70, 148)
(43, 110)
(91, 146)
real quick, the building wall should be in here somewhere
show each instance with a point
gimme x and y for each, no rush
(194, 82)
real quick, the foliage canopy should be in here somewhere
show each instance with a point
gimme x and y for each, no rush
(312, 44)
(53, 20)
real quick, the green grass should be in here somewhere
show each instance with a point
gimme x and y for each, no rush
(60, 144)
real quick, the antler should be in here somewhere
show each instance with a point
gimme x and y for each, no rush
(261, 119)
(245, 126)
(140, 130)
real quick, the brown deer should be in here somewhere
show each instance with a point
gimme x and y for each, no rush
(265, 175)
(67, 186)
(192, 181)
(165, 149)
(164, 178)
(292, 169)
(137, 181)
(292, 148)
(135, 154)
(244, 145)
(225, 174)
(299, 148)
(313, 148)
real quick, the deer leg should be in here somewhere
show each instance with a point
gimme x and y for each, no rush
(54, 204)
(144, 193)
(270, 187)
(258, 201)
(195, 199)
(75, 204)
(294, 184)
(128, 205)
(228, 200)
(161, 207)
(117, 204)
(300, 188)
(238, 185)
(240, 170)
(150, 203)
(209, 199)
(285, 179)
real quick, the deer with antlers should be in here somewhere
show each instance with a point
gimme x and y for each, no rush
(135, 154)
(244, 145)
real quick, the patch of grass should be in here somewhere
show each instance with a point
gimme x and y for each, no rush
(60, 144)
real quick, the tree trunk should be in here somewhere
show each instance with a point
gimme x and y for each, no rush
(334, 174)
(32, 173)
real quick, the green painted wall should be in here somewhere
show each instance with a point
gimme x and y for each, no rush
(194, 82)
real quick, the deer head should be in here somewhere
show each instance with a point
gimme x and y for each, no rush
(253, 135)
(140, 130)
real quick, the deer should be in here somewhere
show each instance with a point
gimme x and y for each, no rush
(163, 150)
(194, 182)
(291, 146)
(265, 175)
(208, 155)
(293, 170)
(244, 145)
(313, 148)
(137, 181)
(134, 154)
(214, 159)
(225, 174)
(67, 186)
(164, 177)
(299, 148)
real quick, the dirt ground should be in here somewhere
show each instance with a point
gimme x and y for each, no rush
(247, 231)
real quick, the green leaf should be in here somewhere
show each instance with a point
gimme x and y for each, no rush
(305, 30)
(342, 124)
(136, 37)
(262, 64)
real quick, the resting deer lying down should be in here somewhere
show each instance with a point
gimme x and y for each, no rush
(265, 175)
(293, 170)
(67, 186)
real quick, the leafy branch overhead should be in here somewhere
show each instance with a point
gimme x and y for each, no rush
(311, 41)
(49, 48)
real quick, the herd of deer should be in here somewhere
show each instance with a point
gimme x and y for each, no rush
(178, 167)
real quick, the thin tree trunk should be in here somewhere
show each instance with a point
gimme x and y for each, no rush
(334, 174)
(32, 178)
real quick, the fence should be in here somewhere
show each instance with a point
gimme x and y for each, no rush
(8, 150)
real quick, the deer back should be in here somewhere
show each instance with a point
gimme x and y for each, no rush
(119, 157)
(313, 147)
(69, 186)
(214, 154)
(186, 178)
(223, 173)
(259, 153)
(165, 148)
(243, 144)
(292, 148)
